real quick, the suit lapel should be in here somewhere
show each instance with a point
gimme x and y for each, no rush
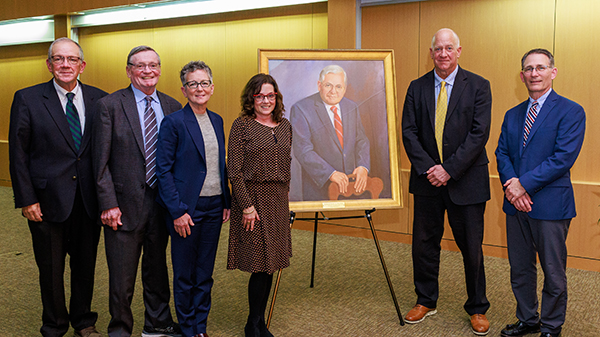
(191, 123)
(89, 103)
(324, 117)
(460, 82)
(130, 110)
(429, 96)
(521, 123)
(166, 107)
(55, 109)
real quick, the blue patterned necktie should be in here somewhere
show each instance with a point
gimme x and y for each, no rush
(529, 120)
(151, 133)
(73, 119)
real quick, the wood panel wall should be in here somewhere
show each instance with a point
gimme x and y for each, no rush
(228, 43)
(494, 35)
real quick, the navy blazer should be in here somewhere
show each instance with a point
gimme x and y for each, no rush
(466, 132)
(45, 167)
(543, 165)
(181, 161)
(317, 148)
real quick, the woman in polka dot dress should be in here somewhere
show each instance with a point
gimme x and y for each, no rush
(259, 170)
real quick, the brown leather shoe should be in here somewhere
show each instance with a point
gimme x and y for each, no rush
(418, 313)
(201, 335)
(480, 324)
(90, 331)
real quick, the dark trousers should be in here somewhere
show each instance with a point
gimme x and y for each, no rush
(466, 222)
(77, 236)
(123, 250)
(193, 260)
(526, 238)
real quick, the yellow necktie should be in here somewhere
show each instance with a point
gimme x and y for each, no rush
(440, 118)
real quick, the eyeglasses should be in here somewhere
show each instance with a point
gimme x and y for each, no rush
(142, 66)
(269, 96)
(538, 68)
(58, 59)
(328, 86)
(194, 84)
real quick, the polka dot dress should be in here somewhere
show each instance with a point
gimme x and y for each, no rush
(259, 162)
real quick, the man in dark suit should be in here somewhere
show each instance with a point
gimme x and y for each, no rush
(445, 126)
(193, 188)
(539, 143)
(124, 139)
(53, 183)
(329, 138)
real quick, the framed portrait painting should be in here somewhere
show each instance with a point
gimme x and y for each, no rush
(343, 110)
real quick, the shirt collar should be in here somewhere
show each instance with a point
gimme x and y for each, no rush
(140, 96)
(540, 100)
(449, 80)
(62, 92)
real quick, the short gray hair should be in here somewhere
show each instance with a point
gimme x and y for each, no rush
(333, 69)
(193, 66)
(63, 39)
(140, 49)
(538, 51)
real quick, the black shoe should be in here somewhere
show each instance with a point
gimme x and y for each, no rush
(251, 330)
(171, 330)
(519, 329)
(548, 334)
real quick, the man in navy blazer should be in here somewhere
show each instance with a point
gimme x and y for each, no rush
(192, 180)
(124, 138)
(449, 172)
(53, 183)
(328, 154)
(539, 143)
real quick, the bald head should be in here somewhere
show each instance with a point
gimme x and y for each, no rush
(445, 51)
(445, 31)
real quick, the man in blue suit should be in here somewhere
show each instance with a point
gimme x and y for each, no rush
(538, 145)
(192, 183)
(53, 182)
(329, 138)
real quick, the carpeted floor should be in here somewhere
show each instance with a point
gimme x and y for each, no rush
(350, 297)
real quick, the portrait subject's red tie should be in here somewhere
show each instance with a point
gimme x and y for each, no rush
(339, 129)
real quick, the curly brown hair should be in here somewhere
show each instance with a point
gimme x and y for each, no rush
(253, 87)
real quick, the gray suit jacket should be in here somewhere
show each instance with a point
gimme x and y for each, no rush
(118, 152)
(318, 149)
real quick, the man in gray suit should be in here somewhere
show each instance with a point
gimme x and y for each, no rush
(329, 138)
(124, 144)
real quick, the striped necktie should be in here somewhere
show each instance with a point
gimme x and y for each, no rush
(73, 119)
(529, 120)
(440, 119)
(339, 129)
(151, 133)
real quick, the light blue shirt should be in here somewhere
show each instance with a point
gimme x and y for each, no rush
(449, 84)
(140, 100)
(540, 101)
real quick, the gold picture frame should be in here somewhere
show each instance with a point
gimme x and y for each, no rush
(371, 88)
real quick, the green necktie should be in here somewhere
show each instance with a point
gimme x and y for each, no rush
(73, 119)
